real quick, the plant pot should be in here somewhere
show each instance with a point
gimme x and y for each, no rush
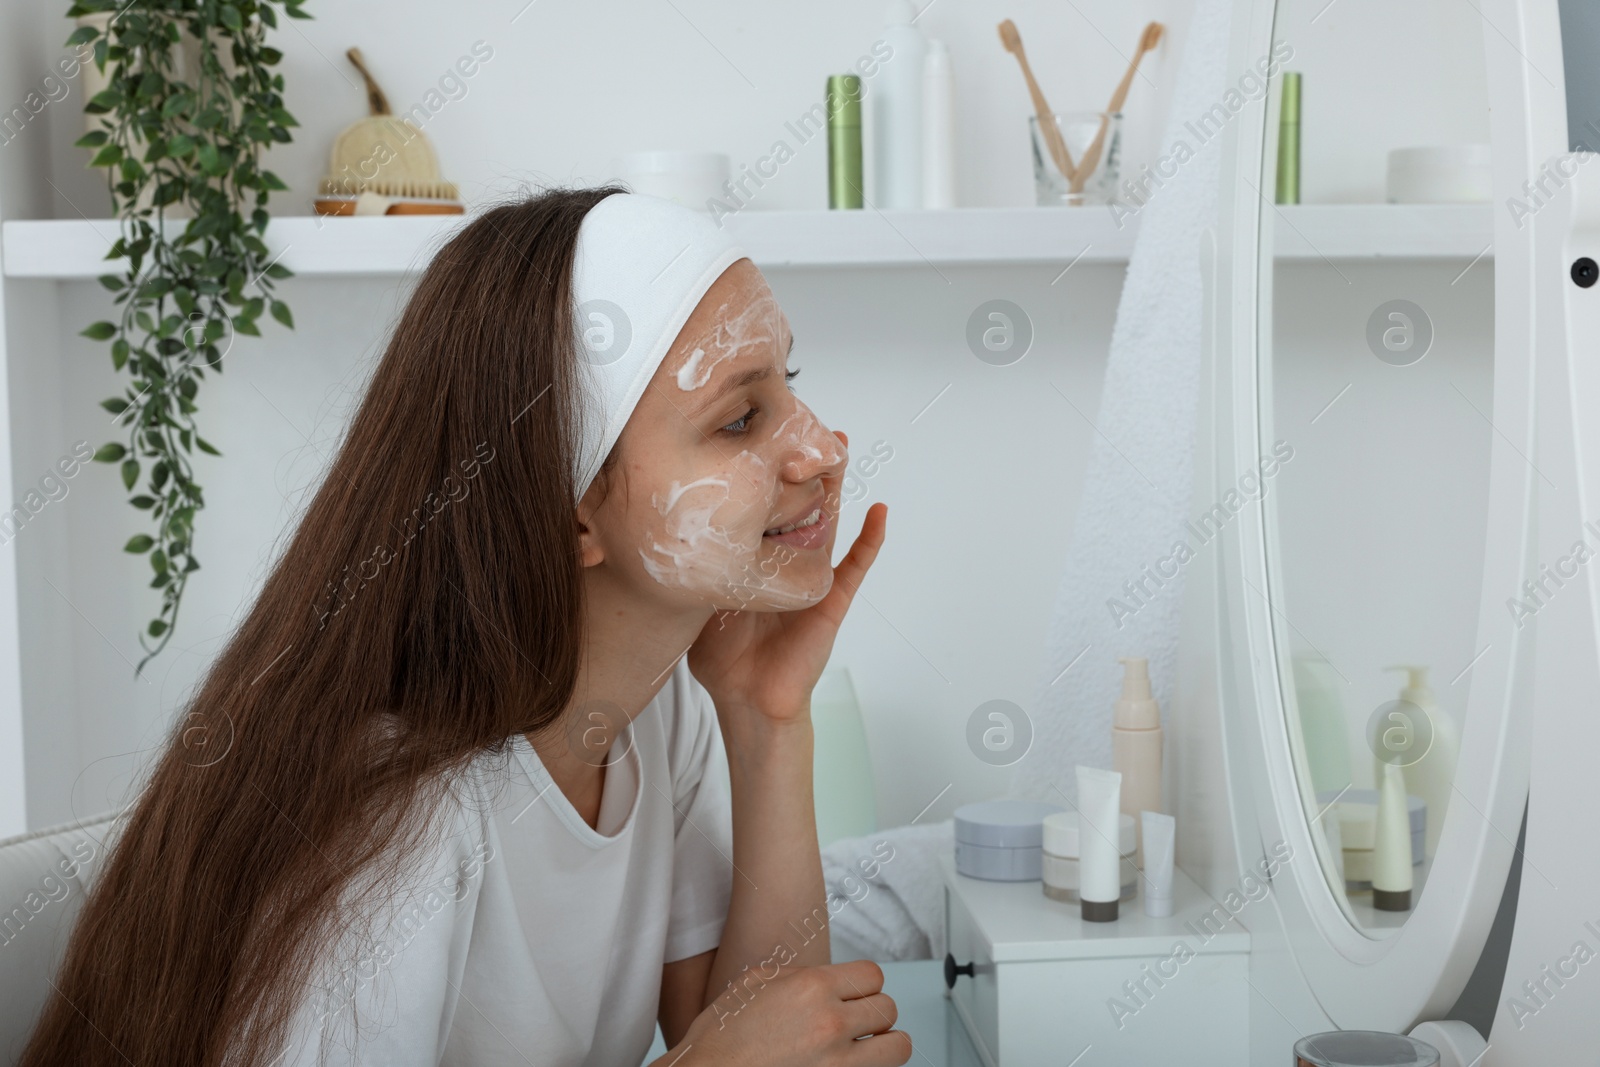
(185, 66)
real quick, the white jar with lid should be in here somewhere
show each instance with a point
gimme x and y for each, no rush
(1000, 840)
(1060, 856)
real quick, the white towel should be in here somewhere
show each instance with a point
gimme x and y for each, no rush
(1138, 485)
(1147, 411)
(885, 893)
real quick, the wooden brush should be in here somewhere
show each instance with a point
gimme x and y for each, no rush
(1091, 159)
(1012, 40)
(385, 155)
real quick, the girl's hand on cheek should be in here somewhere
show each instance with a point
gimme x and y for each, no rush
(767, 662)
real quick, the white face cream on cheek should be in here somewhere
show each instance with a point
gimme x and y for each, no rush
(708, 542)
(756, 324)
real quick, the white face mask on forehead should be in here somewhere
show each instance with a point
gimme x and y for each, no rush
(642, 265)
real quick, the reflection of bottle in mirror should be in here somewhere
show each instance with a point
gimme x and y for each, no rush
(1136, 744)
(1391, 844)
(1289, 140)
(1430, 776)
(1322, 723)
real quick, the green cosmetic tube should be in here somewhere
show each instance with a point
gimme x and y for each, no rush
(1289, 140)
(843, 101)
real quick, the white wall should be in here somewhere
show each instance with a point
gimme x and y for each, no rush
(948, 620)
(982, 487)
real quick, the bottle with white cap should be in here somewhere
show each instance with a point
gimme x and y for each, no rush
(896, 95)
(1136, 743)
(938, 128)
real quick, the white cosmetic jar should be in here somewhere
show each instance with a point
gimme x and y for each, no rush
(688, 178)
(999, 840)
(1059, 866)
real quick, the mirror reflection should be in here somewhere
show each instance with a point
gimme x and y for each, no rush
(1377, 369)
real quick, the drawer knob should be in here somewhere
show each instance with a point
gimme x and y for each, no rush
(952, 972)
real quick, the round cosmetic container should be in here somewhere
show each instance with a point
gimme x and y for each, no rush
(1059, 859)
(1368, 1048)
(1001, 840)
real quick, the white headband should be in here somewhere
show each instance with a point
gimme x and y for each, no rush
(643, 263)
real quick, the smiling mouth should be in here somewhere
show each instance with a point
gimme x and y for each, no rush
(811, 519)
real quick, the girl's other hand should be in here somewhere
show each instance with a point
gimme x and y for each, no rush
(835, 1015)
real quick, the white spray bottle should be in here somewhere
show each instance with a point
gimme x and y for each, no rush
(938, 128)
(896, 95)
(1136, 744)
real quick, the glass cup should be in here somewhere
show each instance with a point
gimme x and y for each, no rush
(1078, 130)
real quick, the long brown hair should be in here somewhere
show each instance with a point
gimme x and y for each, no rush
(433, 585)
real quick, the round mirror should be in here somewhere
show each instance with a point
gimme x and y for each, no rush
(1378, 425)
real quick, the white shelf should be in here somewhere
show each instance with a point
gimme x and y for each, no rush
(382, 245)
(914, 238)
(67, 249)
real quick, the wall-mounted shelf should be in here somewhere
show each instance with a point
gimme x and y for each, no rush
(311, 246)
(391, 246)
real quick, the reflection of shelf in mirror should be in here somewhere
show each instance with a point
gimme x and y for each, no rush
(390, 246)
(1382, 231)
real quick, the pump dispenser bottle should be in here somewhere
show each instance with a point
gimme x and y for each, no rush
(1430, 777)
(1136, 744)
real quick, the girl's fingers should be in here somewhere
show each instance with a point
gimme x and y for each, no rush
(852, 570)
(871, 1014)
(888, 1049)
(853, 978)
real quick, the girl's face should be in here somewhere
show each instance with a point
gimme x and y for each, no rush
(726, 488)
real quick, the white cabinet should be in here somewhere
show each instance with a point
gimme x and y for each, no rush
(1039, 985)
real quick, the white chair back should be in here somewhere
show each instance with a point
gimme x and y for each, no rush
(44, 877)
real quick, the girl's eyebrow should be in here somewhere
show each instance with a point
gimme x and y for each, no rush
(728, 385)
(749, 377)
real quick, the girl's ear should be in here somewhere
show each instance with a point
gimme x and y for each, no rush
(590, 551)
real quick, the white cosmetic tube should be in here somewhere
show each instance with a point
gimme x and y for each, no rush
(1391, 844)
(1159, 831)
(1099, 859)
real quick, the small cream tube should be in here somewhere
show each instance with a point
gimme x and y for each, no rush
(1159, 831)
(1099, 859)
(1391, 844)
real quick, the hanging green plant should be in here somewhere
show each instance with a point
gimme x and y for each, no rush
(192, 146)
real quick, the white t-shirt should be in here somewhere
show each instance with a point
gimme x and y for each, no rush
(529, 937)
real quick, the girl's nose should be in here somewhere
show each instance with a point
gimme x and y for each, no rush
(806, 448)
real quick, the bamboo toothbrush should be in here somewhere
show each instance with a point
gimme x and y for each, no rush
(1091, 159)
(1012, 40)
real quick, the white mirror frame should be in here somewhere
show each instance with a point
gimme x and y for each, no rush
(1557, 894)
(1416, 971)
